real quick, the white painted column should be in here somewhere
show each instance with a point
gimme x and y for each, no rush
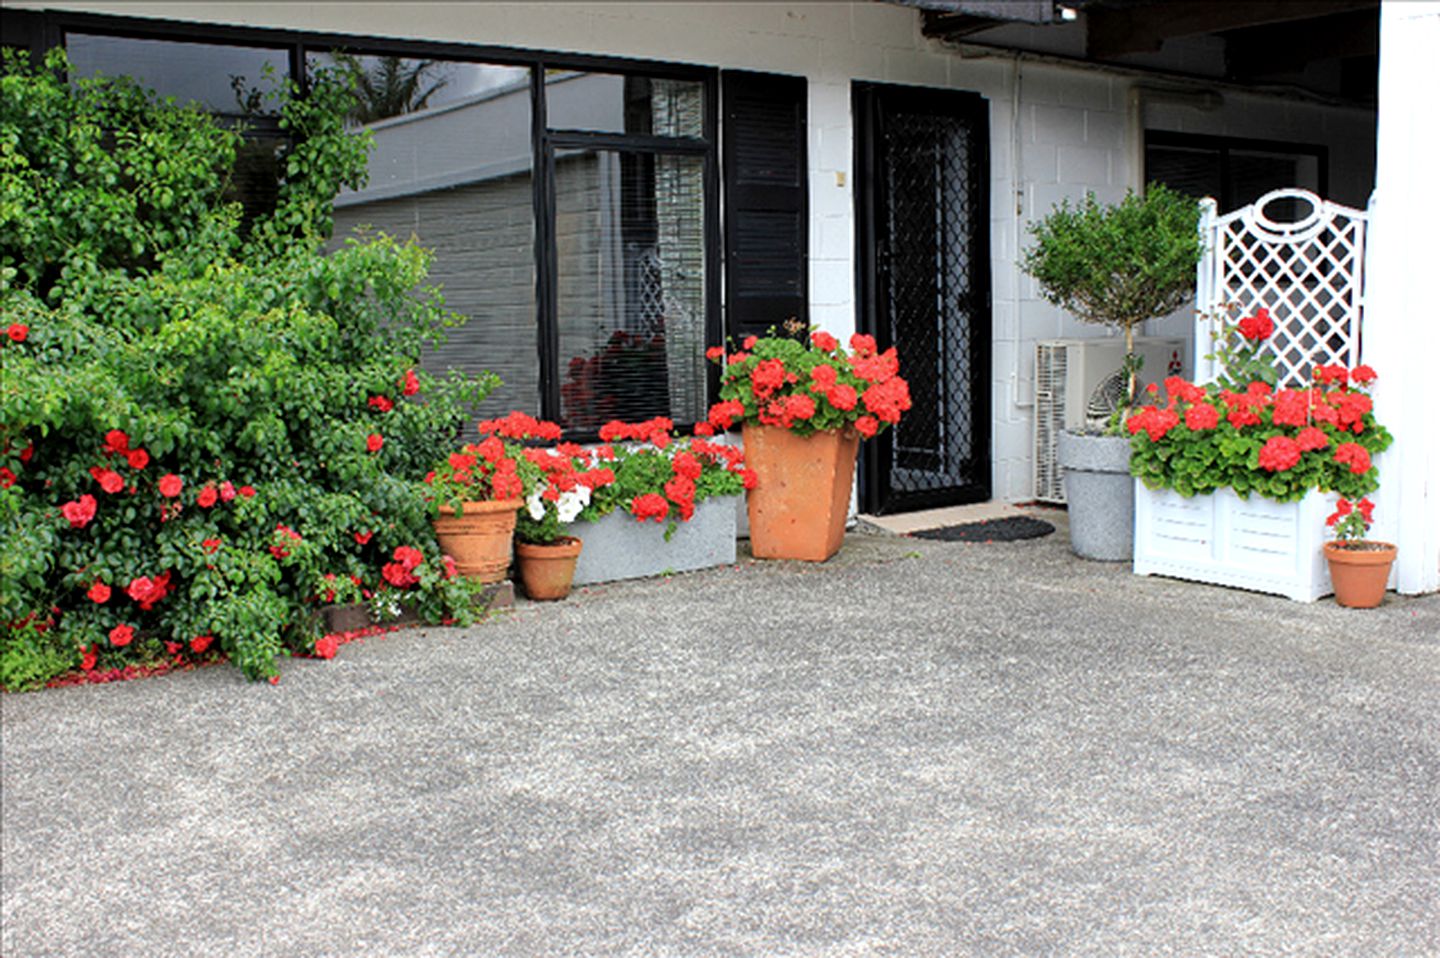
(1402, 318)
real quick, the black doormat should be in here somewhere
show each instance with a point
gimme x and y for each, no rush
(991, 530)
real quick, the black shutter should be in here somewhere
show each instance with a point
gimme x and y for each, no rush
(766, 228)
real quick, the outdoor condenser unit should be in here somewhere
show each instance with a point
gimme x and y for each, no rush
(1067, 372)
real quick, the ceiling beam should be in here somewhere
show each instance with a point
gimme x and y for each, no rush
(1286, 48)
(1113, 31)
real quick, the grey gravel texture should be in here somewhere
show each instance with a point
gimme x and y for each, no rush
(917, 748)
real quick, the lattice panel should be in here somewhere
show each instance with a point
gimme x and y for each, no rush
(1308, 272)
(931, 297)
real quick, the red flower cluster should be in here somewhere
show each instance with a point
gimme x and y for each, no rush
(1355, 456)
(1258, 326)
(79, 512)
(1279, 454)
(410, 385)
(1156, 422)
(654, 431)
(283, 536)
(518, 425)
(650, 506)
(400, 573)
(382, 403)
(146, 591)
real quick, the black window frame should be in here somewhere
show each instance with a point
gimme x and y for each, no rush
(42, 30)
(1226, 145)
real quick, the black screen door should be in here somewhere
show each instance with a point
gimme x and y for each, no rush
(923, 262)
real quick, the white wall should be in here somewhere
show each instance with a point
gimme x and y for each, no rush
(1055, 132)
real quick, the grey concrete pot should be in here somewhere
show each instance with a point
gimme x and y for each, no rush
(1100, 495)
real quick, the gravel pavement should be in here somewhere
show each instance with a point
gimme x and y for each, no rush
(918, 748)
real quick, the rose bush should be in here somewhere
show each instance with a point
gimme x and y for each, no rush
(208, 424)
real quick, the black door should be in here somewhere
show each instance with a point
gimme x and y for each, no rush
(923, 261)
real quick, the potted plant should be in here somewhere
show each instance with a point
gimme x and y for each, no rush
(803, 407)
(1230, 475)
(671, 507)
(1359, 568)
(559, 487)
(476, 493)
(1113, 265)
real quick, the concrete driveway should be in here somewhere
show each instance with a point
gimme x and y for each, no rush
(916, 749)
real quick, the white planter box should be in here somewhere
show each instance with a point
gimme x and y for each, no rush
(618, 547)
(1253, 543)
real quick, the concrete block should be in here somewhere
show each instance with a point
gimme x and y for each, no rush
(1056, 124)
(920, 69)
(1105, 130)
(1084, 165)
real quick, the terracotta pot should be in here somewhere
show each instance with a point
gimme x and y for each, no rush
(1359, 572)
(798, 507)
(479, 539)
(547, 570)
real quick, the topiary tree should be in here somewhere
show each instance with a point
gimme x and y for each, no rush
(1118, 265)
(206, 431)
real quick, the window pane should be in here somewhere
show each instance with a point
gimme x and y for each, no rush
(630, 239)
(451, 166)
(1193, 172)
(612, 103)
(229, 81)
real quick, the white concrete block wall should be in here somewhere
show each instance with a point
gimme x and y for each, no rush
(1055, 132)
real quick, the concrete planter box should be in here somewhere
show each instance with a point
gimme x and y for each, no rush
(618, 547)
(1221, 539)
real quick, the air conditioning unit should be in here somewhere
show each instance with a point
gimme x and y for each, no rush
(1067, 372)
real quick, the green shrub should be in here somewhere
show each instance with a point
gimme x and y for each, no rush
(209, 418)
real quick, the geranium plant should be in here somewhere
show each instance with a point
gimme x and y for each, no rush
(560, 490)
(809, 386)
(1351, 521)
(661, 477)
(1280, 443)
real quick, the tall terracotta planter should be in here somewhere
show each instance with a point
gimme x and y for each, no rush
(798, 507)
(1359, 573)
(546, 571)
(479, 540)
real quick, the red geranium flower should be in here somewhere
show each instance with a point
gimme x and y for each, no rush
(862, 343)
(1202, 416)
(1362, 375)
(1279, 454)
(867, 426)
(410, 385)
(200, 643)
(842, 397)
(715, 352)
(650, 506)
(326, 646)
(1355, 455)
(1258, 326)
(823, 340)
(1311, 438)
(382, 403)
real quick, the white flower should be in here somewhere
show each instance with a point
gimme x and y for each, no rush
(536, 506)
(572, 502)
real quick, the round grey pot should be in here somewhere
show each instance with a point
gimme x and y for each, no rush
(1100, 495)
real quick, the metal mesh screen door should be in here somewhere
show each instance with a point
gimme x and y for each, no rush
(923, 221)
(1300, 256)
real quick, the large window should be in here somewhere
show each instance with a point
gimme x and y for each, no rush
(1236, 172)
(583, 250)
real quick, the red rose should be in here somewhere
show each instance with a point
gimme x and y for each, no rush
(227, 491)
(99, 593)
(1258, 326)
(363, 537)
(1279, 454)
(138, 458)
(7, 478)
(374, 441)
(27, 452)
(247, 491)
(109, 479)
(17, 332)
(207, 497)
(170, 485)
(79, 512)
(121, 635)
(200, 643)
(210, 545)
(410, 385)
(382, 403)
(117, 441)
(87, 658)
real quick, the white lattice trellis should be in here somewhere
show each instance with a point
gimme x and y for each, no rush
(1308, 271)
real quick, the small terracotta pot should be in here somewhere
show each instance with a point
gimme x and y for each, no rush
(547, 570)
(798, 506)
(479, 539)
(1359, 572)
